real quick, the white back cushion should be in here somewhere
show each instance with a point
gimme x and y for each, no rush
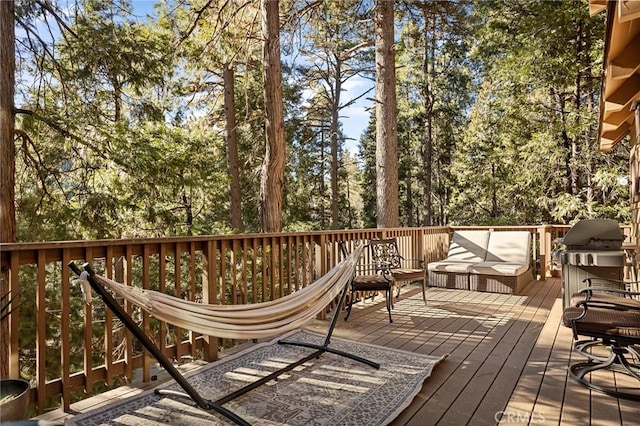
(470, 246)
(509, 246)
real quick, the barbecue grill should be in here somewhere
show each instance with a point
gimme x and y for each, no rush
(592, 248)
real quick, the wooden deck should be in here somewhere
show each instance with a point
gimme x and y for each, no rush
(508, 358)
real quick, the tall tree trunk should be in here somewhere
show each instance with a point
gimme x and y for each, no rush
(494, 192)
(272, 177)
(188, 212)
(335, 106)
(559, 99)
(575, 179)
(586, 163)
(427, 96)
(323, 188)
(410, 209)
(235, 211)
(7, 157)
(386, 118)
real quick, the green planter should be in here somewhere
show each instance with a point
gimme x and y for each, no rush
(14, 399)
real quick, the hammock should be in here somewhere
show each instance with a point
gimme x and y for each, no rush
(234, 321)
(247, 321)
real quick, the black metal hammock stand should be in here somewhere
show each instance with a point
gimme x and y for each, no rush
(190, 391)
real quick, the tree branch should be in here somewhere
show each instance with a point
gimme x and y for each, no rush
(347, 54)
(47, 6)
(193, 24)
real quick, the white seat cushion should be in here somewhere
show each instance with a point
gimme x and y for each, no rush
(509, 246)
(468, 246)
(455, 266)
(508, 269)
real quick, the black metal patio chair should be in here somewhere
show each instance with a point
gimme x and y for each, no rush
(607, 290)
(386, 256)
(614, 323)
(367, 281)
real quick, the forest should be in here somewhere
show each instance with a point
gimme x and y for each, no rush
(147, 119)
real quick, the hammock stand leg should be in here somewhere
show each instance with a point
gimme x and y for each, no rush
(131, 325)
(325, 347)
(320, 349)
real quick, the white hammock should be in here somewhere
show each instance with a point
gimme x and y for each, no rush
(249, 321)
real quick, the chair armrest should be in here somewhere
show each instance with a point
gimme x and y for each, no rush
(627, 285)
(624, 293)
(590, 280)
(606, 304)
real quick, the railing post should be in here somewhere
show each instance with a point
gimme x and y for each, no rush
(210, 346)
(544, 235)
(146, 326)
(65, 360)
(127, 278)
(321, 262)
(9, 367)
(88, 340)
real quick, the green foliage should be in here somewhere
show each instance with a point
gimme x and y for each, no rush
(529, 153)
(367, 155)
(124, 134)
(434, 94)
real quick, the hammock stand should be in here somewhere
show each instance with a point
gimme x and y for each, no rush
(190, 391)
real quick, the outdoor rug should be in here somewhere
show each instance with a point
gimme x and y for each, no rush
(331, 390)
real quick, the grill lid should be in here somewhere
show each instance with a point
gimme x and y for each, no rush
(596, 234)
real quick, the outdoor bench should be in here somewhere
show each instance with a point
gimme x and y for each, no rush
(494, 261)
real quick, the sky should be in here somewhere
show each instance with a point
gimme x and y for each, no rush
(355, 118)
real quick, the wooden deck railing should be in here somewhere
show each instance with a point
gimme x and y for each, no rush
(68, 349)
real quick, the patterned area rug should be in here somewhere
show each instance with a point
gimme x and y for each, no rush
(330, 390)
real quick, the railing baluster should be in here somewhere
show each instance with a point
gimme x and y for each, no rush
(209, 280)
(263, 259)
(245, 289)
(14, 344)
(281, 278)
(193, 337)
(65, 332)
(254, 270)
(272, 268)
(162, 288)
(177, 271)
(88, 335)
(41, 329)
(128, 338)
(108, 320)
(146, 326)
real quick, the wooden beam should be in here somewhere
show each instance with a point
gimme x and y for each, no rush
(628, 60)
(628, 10)
(613, 137)
(635, 107)
(629, 90)
(597, 6)
(605, 145)
(617, 118)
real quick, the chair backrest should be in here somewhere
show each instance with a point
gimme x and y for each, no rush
(385, 251)
(509, 246)
(469, 246)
